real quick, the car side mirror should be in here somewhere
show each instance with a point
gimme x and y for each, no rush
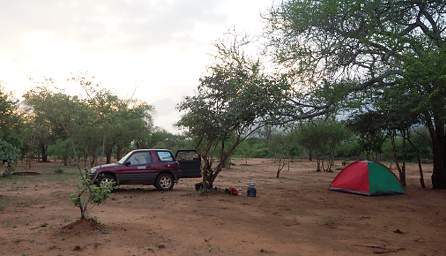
(127, 163)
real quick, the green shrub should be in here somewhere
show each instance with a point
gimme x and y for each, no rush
(88, 192)
(58, 170)
(8, 156)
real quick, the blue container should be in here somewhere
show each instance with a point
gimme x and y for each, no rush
(251, 192)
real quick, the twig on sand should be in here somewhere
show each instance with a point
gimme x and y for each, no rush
(381, 249)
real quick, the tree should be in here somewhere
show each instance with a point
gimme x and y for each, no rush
(52, 114)
(322, 137)
(10, 132)
(234, 100)
(283, 147)
(369, 126)
(120, 121)
(10, 120)
(89, 193)
(160, 138)
(8, 155)
(61, 149)
(374, 45)
(99, 124)
(397, 107)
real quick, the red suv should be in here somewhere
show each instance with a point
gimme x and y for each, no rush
(156, 167)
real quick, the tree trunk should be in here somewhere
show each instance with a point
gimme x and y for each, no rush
(420, 167)
(44, 152)
(93, 161)
(310, 155)
(207, 174)
(213, 175)
(225, 160)
(330, 162)
(65, 160)
(83, 213)
(403, 174)
(438, 137)
(108, 157)
(227, 163)
(108, 154)
(118, 152)
(282, 163)
(439, 169)
(395, 158)
(85, 160)
(403, 169)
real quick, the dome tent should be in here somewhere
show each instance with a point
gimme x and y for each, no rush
(366, 178)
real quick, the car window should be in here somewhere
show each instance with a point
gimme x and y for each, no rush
(122, 160)
(140, 158)
(187, 156)
(165, 156)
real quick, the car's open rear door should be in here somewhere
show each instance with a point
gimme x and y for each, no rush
(190, 162)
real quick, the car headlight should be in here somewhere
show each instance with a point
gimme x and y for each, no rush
(93, 170)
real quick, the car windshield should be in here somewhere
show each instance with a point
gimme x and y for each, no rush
(122, 160)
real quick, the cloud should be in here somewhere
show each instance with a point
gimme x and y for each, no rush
(113, 23)
(157, 48)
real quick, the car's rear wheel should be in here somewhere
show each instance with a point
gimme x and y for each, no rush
(164, 182)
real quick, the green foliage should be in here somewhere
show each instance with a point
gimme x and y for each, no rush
(233, 100)
(9, 155)
(8, 152)
(61, 148)
(350, 148)
(253, 148)
(10, 120)
(369, 127)
(159, 138)
(420, 138)
(322, 138)
(285, 145)
(88, 192)
(391, 53)
(58, 170)
(94, 125)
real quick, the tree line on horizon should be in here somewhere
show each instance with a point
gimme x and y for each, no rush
(49, 123)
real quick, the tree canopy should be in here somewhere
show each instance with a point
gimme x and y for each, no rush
(235, 99)
(371, 46)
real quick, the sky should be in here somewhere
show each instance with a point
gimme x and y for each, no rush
(151, 50)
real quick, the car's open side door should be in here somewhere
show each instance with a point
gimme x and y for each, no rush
(190, 162)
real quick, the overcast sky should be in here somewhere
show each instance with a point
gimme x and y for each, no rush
(155, 48)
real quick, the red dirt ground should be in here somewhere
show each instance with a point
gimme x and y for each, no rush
(293, 215)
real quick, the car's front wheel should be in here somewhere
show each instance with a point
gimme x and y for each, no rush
(164, 182)
(107, 178)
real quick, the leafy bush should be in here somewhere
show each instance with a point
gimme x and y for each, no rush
(253, 147)
(322, 138)
(88, 192)
(350, 148)
(61, 149)
(58, 170)
(9, 155)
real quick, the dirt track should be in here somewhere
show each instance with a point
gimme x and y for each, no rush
(293, 215)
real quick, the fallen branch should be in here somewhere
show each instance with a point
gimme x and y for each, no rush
(381, 249)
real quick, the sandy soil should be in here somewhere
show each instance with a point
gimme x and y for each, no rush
(293, 215)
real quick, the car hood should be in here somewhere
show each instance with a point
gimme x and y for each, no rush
(107, 166)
